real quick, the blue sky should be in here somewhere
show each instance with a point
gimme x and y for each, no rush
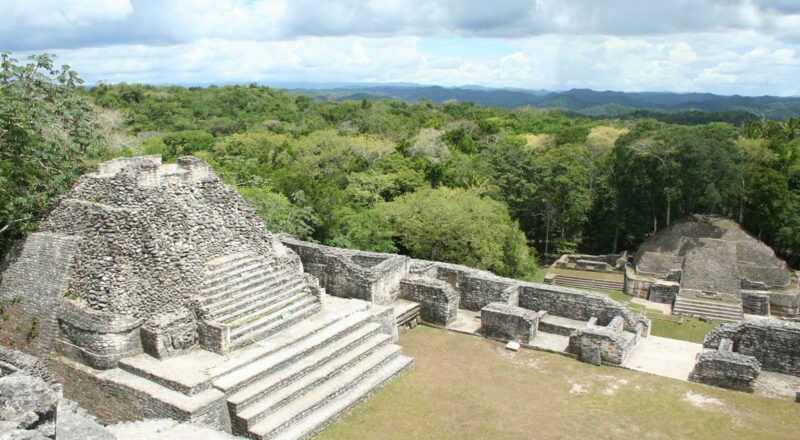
(748, 47)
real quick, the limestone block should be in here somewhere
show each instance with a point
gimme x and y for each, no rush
(27, 401)
(507, 322)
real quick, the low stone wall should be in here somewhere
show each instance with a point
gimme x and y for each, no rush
(477, 288)
(726, 369)
(439, 301)
(509, 323)
(368, 276)
(774, 343)
(98, 339)
(664, 291)
(111, 400)
(602, 344)
(580, 305)
(636, 285)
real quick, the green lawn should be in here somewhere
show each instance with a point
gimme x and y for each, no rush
(464, 387)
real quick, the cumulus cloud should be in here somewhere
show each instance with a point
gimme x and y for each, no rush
(724, 46)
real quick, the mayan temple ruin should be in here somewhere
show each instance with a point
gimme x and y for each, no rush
(708, 266)
(153, 291)
(157, 292)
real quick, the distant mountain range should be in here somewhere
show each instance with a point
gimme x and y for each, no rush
(582, 101)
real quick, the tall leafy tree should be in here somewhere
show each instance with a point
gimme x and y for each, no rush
(48, 134)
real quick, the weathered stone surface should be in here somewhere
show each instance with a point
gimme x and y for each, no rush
(774, 343)
(439, 301)
(13, 361)
(507, 322)
(74, 423)
(612, 344)
(580, 305)
(169, 334)
(713, 257)
(590, 355)
(725, 369)
(346, 273)
(27, 401)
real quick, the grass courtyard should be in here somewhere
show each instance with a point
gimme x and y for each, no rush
(465, 387)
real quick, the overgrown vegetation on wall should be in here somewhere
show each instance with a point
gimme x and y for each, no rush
(457, 182)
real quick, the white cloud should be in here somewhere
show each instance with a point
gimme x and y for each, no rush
(724, 46)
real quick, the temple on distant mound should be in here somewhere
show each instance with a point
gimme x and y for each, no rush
(708, 266)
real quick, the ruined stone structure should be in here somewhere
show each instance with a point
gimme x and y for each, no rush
(736, 353)
(155, 291)
(708, 266)
(509, 309)
(578, 271)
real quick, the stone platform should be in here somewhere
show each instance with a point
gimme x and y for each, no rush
(290, 385)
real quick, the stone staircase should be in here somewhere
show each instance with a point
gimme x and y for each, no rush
(724, 311)
(289, 386)
(585, 283)
(248, 299)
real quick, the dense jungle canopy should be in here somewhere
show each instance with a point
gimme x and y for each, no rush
(458, 182)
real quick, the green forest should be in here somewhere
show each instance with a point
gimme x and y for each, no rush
(483, 186)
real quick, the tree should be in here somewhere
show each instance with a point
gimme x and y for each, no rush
(460, 226)
(48, 135)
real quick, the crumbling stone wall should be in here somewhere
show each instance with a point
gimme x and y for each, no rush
(509, 323)
(581, 305)
(726, 369)
(369, 276)
(477, 288)
(438, 299)
(597, 344)
(14, 361)
(774, 343)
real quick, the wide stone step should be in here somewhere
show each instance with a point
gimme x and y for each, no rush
(561, 280)
(263, 332)
(326, 391)
(366, 335)
(256, 369)
(317, 420)
(219, 281)
(257, 298)
(723, 312)
(224, 263)
(333, 313)
(260, 319)
(368, 356)
(245, 286)
(264, 305)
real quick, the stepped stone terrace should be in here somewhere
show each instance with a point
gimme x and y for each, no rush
(156, 291)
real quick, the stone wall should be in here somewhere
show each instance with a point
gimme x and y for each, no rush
(369, 276)
(602, 344)
(112, 401)
(664, 291)
(726, 369)
(509, 323)
(439, 301)
(98, 339)
(34, 281)
(774, 343)
(580, 305)
(477, 288)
